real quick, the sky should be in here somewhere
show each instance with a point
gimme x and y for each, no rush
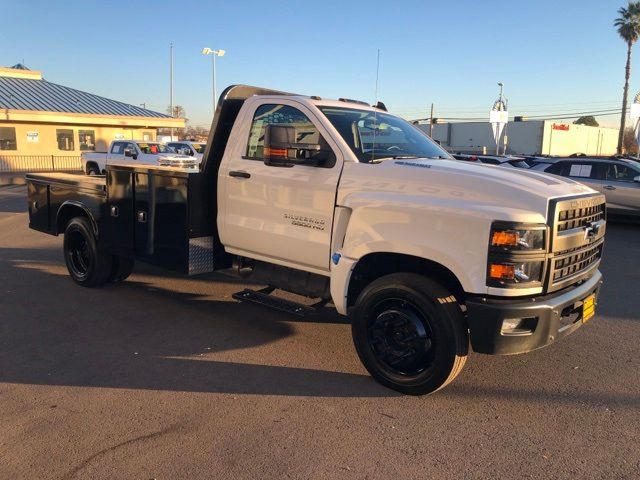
(552, 56)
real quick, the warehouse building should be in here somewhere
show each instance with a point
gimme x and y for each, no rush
(40, 118)
(529, 137)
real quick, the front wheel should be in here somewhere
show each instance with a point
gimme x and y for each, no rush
(409, 333)
(92, 169)
(88, 266)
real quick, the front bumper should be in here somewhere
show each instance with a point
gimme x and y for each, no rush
(551, 317)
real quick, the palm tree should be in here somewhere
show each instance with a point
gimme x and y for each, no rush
(628, 25)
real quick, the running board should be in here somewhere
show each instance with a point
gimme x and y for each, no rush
(263, 297)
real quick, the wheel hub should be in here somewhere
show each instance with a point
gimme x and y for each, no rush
(401, 339)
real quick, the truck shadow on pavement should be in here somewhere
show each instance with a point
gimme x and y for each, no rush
(137, 335)
(146, 335)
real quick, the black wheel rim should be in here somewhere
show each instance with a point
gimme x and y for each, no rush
(400, 337)
(78, 253)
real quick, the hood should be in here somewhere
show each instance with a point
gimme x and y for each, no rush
(492, 191)
(178, 160)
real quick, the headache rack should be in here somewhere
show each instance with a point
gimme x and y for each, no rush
(578, 227)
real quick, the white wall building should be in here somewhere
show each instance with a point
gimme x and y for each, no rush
(531, 137)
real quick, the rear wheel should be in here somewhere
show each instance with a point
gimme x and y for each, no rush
(409, 333)
(88, 266)
(121, 269)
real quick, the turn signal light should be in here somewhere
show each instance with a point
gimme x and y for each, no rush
(500, 271)
(505, 239)
(275, 152)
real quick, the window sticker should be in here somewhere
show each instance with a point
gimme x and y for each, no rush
(580, 171)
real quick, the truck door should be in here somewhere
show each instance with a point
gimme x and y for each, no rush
(620, 189)
(280, 213)
(116, 153)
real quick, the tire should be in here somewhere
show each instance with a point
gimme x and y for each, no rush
(121, 269)
(92, 169)
(87, 266)
(410, 333)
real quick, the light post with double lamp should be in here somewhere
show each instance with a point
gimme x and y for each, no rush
(214, 54)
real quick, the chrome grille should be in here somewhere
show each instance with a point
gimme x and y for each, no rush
(580, 217)
(577, 239)
(568, 264)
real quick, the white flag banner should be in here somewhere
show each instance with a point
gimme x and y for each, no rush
(498, 119)
(497, 128)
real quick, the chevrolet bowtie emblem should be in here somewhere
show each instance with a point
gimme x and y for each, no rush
(591, 230)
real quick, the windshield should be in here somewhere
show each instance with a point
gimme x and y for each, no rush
(154, 148)
(198, 147)
(376, 135)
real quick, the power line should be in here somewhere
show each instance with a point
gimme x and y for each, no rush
(557, 116)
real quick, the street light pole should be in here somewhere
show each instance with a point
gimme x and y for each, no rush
(214, 54)
(501, 85)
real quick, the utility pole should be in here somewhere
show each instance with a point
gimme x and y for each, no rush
(171, 83)
(431, 122)
(377, 75)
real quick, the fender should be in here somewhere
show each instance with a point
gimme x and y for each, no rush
(76, 204)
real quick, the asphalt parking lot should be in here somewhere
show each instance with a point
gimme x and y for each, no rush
(168, 377)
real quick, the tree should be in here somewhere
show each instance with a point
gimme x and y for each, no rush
(628, 26)
(588, 120)
(178, 111)
(630, 145)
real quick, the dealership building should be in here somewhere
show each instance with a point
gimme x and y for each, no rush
(528, 137)
(39, 118)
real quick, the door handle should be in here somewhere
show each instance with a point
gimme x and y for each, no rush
(609, 187)
(239, 174)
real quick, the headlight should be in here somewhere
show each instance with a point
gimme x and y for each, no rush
(514, 237)
(517, 255)
(504, 274)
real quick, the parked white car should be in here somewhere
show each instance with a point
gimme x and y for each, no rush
(184, 147)
(134, 152)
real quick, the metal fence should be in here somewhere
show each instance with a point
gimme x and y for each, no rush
(39, 163)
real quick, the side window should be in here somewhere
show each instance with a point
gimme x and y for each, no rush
(556, 168)
(490, 161)
(620, 173)
(118, 148)
(305, 130)
(8, 138)
(65, 139)
(87, 139)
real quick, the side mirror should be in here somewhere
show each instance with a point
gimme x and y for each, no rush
(636, 179)
(130, 153)
(281, 149)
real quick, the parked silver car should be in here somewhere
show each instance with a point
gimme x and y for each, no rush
(618, 180)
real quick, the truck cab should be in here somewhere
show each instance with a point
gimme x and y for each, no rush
(343, 202)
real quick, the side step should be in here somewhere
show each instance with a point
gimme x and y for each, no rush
(263, 297)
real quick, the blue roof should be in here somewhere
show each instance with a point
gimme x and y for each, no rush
(40, 95)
